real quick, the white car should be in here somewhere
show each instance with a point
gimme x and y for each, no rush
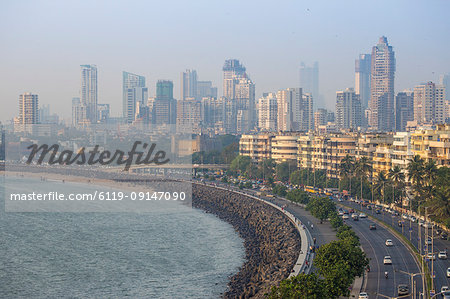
(363, 295)
(448, 272)
(387, 260)
(444, 289)
(362, 215)
(389, 243)
(442, 255)
(405, 216)
(345, 216)
(431, 256)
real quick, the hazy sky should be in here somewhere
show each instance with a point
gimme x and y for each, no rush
(43, 44)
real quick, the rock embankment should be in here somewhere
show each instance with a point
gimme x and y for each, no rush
(271, 241)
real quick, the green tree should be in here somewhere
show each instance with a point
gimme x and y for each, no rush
(416, 174)
(398, 180)
(347, 168)
(279, 190)
(297, 195)
(284, 169)
(240, 163)
(321, 208)
(363, 168)
(339, 262)
(302, 286)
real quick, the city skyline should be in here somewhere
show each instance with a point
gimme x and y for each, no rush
(420, 55)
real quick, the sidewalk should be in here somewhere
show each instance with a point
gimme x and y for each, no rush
(323, 233)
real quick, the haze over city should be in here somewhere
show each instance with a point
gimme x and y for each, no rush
(45, 42)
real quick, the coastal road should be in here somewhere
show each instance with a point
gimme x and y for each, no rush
(439, 266)
(373, 243)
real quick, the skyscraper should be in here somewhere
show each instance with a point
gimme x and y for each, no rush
(134, 94)
(307, 122)
(89, 95)
(320, 118)
(309, 81)
(205, 89)
(244, 97)
(240, 89)
(429, 103)
(28, 109)
(188, 84)
(382, 87)
(348, 109)
(404, 110)
(232, 69)
(267, 112)
(2, 145)
(164, 106)
(290, 108)
(362, 78)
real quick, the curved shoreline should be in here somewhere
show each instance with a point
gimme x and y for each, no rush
(271, 241)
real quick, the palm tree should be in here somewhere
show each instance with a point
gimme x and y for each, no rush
(381, 183)
(397, 177)
(416, 174)
(362, 168)
(347, 166)
(440, 203)
(430, 175)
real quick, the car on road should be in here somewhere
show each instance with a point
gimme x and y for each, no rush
(387, 260)
(389, 243)
(403, 289)
(431, 256)
(445, 292)
(372, 227)
(442, 255)
(412, 218)
(345, 216)
(444, 236)
(428, 241)
(355, 217)
(405, 216)
(362, 215)
(377, 212)
(363, 295)
(448, 272)
(400, 223)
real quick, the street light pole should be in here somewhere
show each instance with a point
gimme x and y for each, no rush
(411, 275)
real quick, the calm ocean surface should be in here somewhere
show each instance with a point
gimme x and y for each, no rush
(168, 253)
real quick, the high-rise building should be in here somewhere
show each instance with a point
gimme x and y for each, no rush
(404, 110)
(290, 108)
(89, 95)
(244, 97)
(444, 80)
(78, 112)
(309, 81)
(188, 84)
(362, 78)
(205, 89)
(429, 103)
(320, 117)
(164, 106)
(28, 109)
(135, 95)
(189, 115)
(240, 89)
(103, 113)
(382, 87)
(348, 109)
(307, 122)
(267, 112)
(232, 69)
